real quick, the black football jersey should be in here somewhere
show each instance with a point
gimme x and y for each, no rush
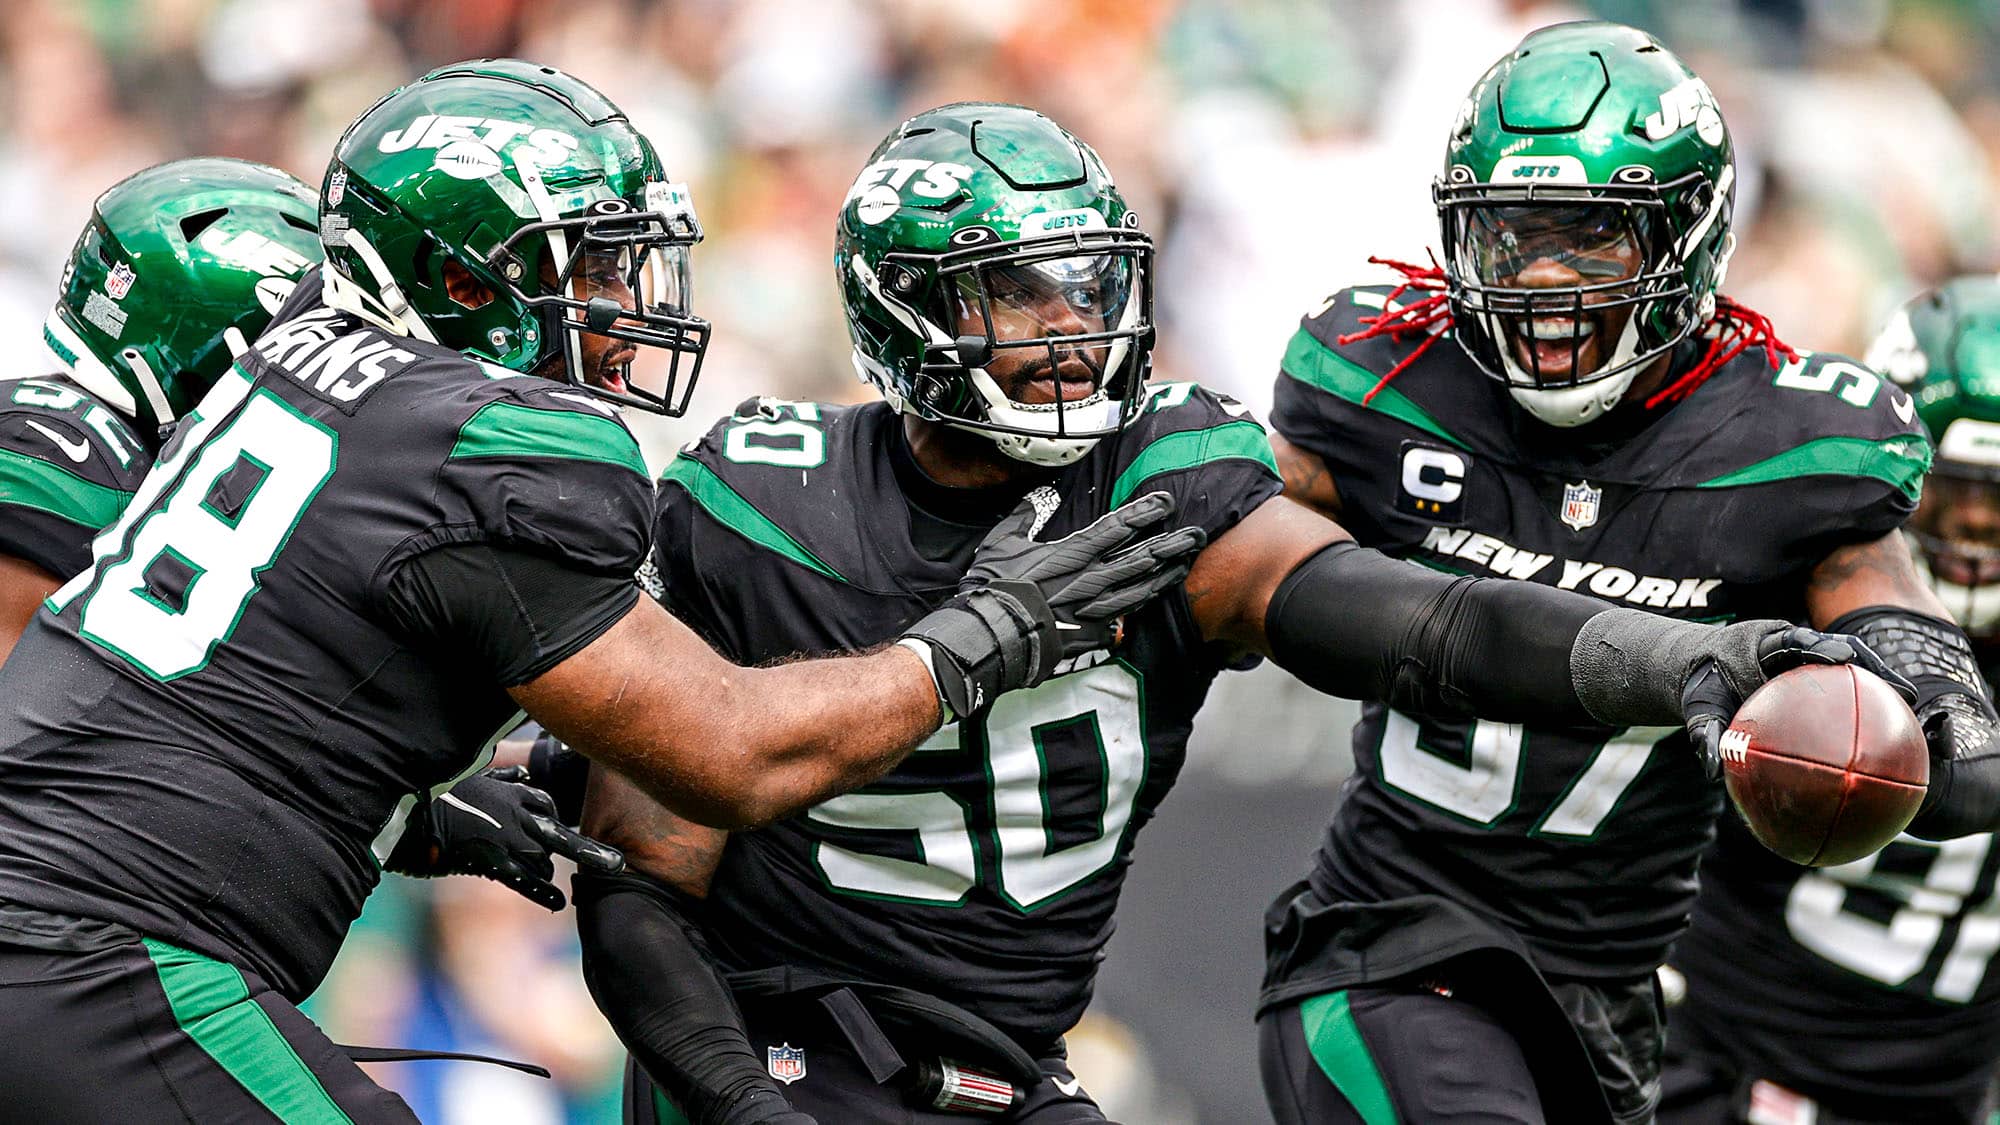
(209, 733)
(1869, 980)
(68, 466)
(1581, 840)
(984, 869)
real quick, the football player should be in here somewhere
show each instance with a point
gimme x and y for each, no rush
(916, 950)
(180, 266)
(376, 542)
(1861, 992)
(1569, 401)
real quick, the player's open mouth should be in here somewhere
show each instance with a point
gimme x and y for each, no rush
(1555, 346)
(614, 370)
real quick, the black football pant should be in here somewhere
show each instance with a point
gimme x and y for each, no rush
(1706, 1084)
(100, 1025)
(1410, 1055)
(1369, 1056)
(837, 1090)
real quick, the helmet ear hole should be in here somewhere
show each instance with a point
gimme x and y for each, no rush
(463, 288)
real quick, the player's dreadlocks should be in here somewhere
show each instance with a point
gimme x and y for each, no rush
(1734, 329)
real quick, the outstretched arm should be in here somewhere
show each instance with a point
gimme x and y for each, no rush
(727, 745)
(1352, 622)
(731, 747)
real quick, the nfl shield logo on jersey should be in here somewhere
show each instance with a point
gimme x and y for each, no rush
(1580, 504)
(787, 1063)
(119, 282)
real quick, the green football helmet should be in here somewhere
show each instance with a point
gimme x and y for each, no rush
(539, 188)
(1943, 349)
(1591, 160)
(983, 243)
(180, 266)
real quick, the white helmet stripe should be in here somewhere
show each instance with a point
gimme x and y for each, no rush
(89, 371)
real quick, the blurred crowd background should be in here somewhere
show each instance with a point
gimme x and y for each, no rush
(1270, 147)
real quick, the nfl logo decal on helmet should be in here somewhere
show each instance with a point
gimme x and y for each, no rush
(786, 1062)
(119, 281)
(1580, 502)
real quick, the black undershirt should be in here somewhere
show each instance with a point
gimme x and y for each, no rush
(973, 511)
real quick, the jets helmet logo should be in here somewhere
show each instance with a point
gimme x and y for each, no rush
(1580, 503)
(878, 192)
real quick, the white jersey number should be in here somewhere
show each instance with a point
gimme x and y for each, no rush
(1488, 785)
(1031, 867)
(180, 576)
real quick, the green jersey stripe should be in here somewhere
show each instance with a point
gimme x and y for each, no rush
(729, 508)
(1899, 462)
(212, 1004)
(1243, 441)
(508, 429)
(33, 483)
(1316, 365)
(1342, 1055)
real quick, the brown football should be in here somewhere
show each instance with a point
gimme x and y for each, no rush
(1826, 763)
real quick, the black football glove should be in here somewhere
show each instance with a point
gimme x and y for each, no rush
(1964, 792)
(497, 826)
(1738, 660)
(1024, 606)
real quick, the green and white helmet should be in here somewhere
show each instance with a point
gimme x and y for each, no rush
(1943, 349)
(510, 169)
(1592, 142)
(977, 212)
(179, 268)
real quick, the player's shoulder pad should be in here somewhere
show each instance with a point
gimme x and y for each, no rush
(1323, 382)
(780, 475)
(1348, 313)
(66, 452)
(1824, 413)
(1185, 426)
(545, 466)
(525, 417)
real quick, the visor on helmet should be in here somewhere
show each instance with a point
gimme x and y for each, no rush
(619, 273)
(1554, 289)
(1041, 343)
(1057, 319)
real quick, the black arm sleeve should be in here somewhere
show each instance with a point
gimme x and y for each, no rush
(649, 971)
(1359, 624)
(513, 613)
(1356, 623)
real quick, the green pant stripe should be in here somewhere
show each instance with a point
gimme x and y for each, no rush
(1342, 1055)
(212, 1004)
(664, 1112)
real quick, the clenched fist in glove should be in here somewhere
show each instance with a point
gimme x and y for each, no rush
(497, 826)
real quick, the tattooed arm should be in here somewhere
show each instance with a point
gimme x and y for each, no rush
(1306, 477)
(1876, 573)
